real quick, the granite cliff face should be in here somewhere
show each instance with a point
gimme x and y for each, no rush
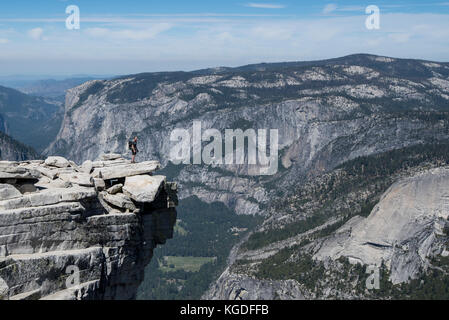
(404, 230)
(406, 234)
(327, 112)
(80, 232)
(13, 150)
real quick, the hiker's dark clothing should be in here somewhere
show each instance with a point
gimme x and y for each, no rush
(134, 149)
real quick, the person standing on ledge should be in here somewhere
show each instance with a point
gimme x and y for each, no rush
(134, 150)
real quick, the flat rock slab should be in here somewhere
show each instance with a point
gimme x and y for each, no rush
(8, 163)
(46, 183)
(50, 173)
(143, 188)
(19, 173)
(110, 163)
(48, 197)
(111, 156)
(58, 162)
(7, 191)
(79, 178)
(34, 161)
(126, 170)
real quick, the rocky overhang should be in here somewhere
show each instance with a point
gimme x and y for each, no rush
(80, 232)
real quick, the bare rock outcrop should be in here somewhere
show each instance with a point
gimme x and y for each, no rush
(63, 236)
(403, 230)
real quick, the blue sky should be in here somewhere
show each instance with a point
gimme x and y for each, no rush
(121, 37)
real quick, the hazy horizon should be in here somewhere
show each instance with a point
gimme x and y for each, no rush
(61, 77)
(118, 38)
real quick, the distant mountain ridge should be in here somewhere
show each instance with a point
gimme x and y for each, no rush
(51, 88)
(33, 121)
(48, 86)
(353, 59)
(349, 59)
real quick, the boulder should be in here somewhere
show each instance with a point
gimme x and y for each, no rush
(58, 162)
(87, 167)
(109, 209)
(7, 191)
(99, 184)
(115, 189)
(143, 188)
(126, 170)
(119, 200)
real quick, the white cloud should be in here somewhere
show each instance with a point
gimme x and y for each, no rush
(352, 9)
(329, 8)
(400, 37)
(265, 5)
(3, 40)
(116, 47)
(130, 34)
(98, 32)
(36, 33)
(148, 18)
(273, 32)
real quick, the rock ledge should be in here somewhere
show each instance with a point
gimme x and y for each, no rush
(80, 232)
